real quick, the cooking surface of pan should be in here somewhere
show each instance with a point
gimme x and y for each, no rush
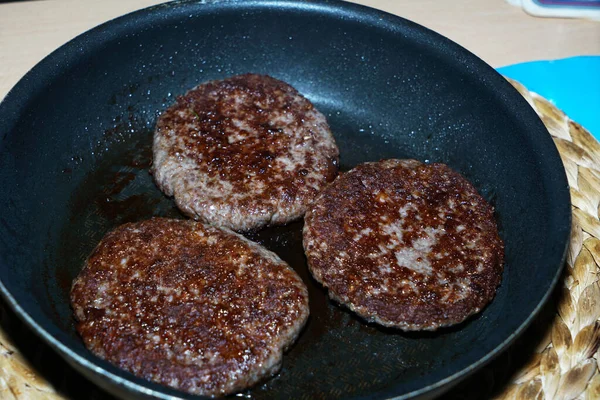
(76, 147)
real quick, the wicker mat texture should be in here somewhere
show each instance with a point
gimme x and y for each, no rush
(556, 358)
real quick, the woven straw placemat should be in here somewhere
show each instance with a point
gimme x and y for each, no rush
(557, 358)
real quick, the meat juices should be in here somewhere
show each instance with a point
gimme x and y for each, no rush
(188, 305)
(405, 244)
(244, 152)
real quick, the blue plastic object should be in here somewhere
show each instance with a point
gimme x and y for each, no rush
(572, 84)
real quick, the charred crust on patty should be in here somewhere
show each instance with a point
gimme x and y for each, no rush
(243, 152)
(405, 244)
(187, 305)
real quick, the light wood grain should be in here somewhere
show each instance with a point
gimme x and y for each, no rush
(498, 33)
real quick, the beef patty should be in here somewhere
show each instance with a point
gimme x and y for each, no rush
(188, 305)
(405, 244)
(243, 152)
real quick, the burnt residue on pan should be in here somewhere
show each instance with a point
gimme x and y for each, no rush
(118, 189)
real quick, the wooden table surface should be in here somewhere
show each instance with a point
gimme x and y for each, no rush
(494, 30)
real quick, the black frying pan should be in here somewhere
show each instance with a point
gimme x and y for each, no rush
(75, 150)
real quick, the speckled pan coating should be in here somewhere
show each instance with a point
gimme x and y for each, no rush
(243, 152)
(405, 244)
(188, 305)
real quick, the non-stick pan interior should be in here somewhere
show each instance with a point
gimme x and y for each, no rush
(76, 147)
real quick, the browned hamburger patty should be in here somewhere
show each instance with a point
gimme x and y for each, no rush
(244, 152)
(188, 305)
(405, 244)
